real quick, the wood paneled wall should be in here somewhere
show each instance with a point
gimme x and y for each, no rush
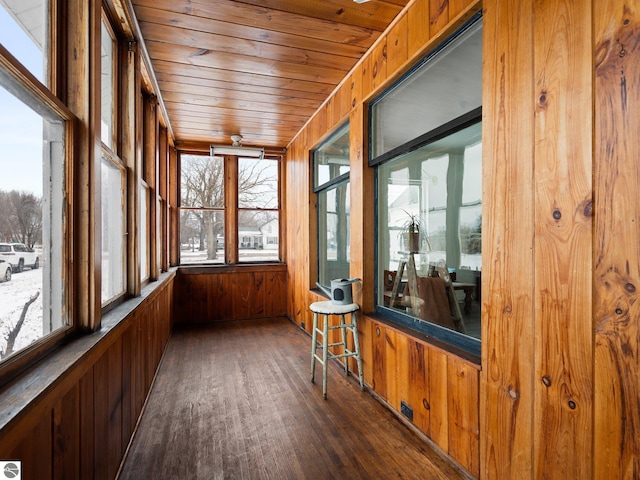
(558, 386)
(441, 388)
(80, 427)
(560, 325)
(230, 293)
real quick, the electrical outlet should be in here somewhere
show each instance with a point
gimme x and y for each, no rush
(406, 410)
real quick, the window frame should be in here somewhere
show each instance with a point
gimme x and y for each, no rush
(230, 209)
(28, 89)
(450, 337)
(343, 179)
(113, 154)
(114, 161)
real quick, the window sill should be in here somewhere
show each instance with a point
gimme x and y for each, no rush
(21, 395)
(224, 268)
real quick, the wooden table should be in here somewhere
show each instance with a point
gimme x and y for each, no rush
(468, 289)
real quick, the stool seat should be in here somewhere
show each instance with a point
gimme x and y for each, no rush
(330, 308)
(326, 309)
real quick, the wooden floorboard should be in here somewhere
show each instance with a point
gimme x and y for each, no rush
(234, 400)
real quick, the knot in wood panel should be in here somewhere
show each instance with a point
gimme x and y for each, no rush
(542, 100)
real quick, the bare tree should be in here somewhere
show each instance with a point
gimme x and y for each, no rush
(21, 217)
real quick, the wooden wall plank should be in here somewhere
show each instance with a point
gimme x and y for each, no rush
(128, 421)
(417, 26)
(439, 398)
(617, 259)
(463, 414)
(113, 434)
(378, 70)
(66, 436)
(378, 355)
(438, 16)
(87, 426)
(35, 451)
(418, 395)
(101, 418)
(397, 45)
(563, 406)
(392, 356)
(507, 284)
(365, 335)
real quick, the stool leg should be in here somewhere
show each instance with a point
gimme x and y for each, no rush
(325, 354)
(344, 343)
(314, 339)
(356, 344)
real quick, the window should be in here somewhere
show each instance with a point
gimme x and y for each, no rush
(107, 84)
(34, 131)
(112, 178)
(429, 193)
(331, 185)
(204, 211)
(113, 229)
(143, 227)
(258, 211)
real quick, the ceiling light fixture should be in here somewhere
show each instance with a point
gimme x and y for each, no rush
(237, 149)
(361, 1)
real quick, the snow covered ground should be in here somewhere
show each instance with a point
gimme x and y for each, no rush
(13, 295)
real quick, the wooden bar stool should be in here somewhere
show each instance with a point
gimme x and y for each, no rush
(326, 309)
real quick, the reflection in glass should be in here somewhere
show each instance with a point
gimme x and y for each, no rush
(445, 87)
(331, 159)
(143, 231)
(333, 234)
(107, 87)
(113, 231)
(439, 185)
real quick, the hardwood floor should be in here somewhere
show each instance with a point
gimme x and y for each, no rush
(234, 400)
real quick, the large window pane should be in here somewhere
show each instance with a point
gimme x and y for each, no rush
(331, 165)
(202, 181)
(32, 220)
(113, 230)
(440, 186)
(257, 183)
(258, 223)
(143, 234)
(107, 131)
(331, 159)
(202, 209)
(333, 234)
(201, 236)
(258, 235)
(24, 31)
(443, 89)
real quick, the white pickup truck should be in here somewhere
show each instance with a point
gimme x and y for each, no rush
(19, 256)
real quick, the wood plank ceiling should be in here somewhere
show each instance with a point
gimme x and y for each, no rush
(259, 68)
